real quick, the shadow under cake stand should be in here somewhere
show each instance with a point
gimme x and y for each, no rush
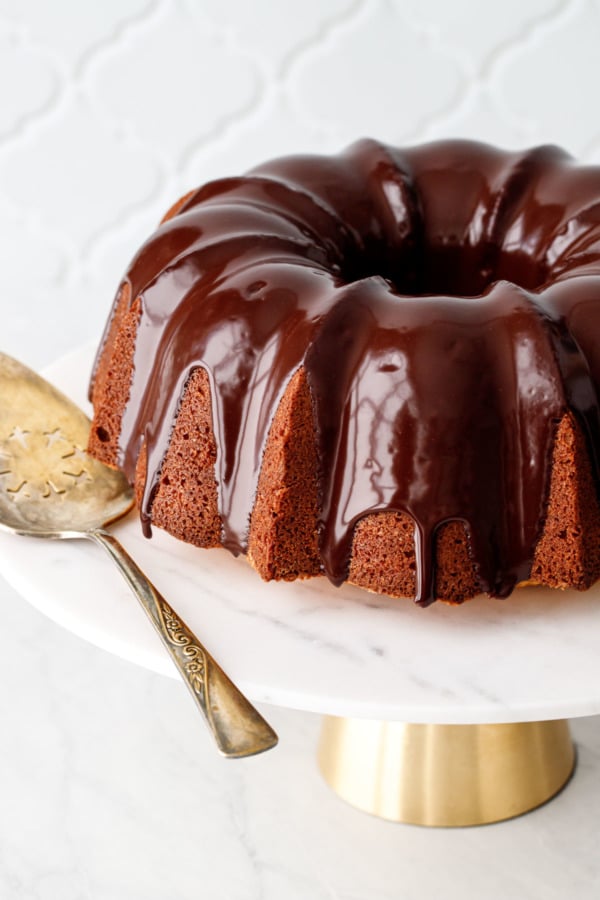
(438, 716)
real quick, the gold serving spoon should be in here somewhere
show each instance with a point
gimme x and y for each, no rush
(50, 488)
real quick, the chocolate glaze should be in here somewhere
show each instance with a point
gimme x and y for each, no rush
(444, 302)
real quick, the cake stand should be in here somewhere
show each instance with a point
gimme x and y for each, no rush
(437, 716)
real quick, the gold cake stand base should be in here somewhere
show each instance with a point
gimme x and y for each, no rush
(445, 775)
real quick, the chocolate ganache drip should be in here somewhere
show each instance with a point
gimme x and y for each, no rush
(443, 302)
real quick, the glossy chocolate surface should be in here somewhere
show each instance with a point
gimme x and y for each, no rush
(443, 301)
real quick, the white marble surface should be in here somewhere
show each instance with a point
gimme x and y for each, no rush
(310, 646)
(111, 790)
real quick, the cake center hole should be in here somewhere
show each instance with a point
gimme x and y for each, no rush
(454, 271)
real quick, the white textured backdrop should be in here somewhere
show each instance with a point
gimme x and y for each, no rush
(110, 110)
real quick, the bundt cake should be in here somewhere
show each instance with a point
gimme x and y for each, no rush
(382, 366)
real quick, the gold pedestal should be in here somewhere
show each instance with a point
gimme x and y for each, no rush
(445, 774)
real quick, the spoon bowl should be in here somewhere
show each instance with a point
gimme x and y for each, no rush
(48, 483)
(51, 488)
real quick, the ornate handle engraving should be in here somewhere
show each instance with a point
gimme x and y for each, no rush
(192, 655)
(238, 728)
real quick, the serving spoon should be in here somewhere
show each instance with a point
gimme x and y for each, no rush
(51, 488)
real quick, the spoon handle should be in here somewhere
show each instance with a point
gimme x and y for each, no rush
(238, 728)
